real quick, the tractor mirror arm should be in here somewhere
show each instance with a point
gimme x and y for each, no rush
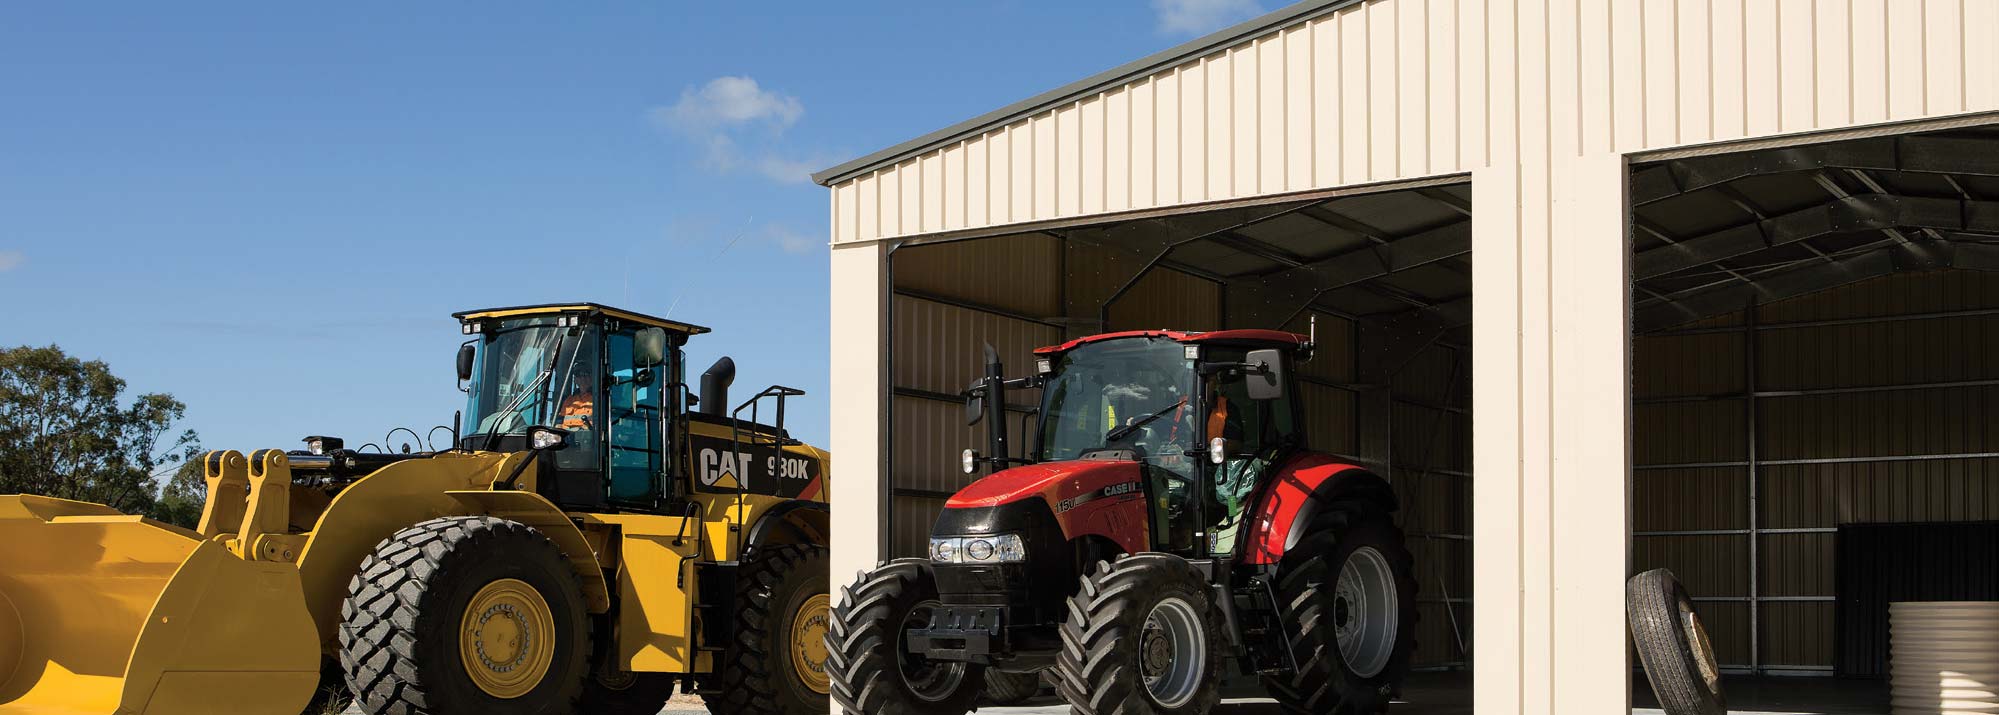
(1246, 368)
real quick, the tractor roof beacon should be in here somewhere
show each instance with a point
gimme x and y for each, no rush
(586, 541)
(1164, 529)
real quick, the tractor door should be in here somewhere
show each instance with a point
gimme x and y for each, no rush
(1256, 433)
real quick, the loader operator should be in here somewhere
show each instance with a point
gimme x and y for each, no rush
(581, 403)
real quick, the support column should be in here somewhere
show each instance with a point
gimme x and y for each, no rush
(1551, 383)
(857, 407)
(1589, 418)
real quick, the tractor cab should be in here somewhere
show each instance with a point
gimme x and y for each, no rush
(1202, 416)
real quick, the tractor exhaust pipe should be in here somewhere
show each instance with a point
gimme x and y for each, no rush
(715, 387)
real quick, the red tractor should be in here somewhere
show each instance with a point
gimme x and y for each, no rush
(1168, 532)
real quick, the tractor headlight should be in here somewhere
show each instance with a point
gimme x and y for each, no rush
(996, 549)
(969, 460)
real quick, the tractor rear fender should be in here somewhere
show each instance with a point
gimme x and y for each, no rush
(792, 522)
(1297, 493)
(402, 495)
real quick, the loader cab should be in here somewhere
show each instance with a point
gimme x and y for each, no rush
(614, 379)
(1206, 415)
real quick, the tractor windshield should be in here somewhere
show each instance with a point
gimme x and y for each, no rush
(527, 372)
(1126, 394)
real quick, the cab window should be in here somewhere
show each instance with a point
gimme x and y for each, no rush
(632, 418)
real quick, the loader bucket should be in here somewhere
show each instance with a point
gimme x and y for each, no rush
(107, 614)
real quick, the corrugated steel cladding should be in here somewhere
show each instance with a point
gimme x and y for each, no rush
(1394, 89)
(1887, 423)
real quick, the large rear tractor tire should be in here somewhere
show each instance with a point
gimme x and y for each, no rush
(777, 663)
(1673, 645)
(1346, 596)
(466, 615)
(873, 671)
(1142, 639)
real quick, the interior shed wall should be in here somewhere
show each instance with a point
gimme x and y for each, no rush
(1856, 420)
(1019, 293)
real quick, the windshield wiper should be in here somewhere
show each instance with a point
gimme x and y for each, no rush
(1125, 431)
(547, 371)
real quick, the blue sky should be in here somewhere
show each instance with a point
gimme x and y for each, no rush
(270, 210)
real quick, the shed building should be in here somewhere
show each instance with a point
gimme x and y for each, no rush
(1600, 285)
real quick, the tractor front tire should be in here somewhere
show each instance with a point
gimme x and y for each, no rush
(465, 615)
(873, 671)
(1346, 597)
(776, 664)
(1142, 638)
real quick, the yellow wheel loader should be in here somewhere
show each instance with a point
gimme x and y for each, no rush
(589, 541)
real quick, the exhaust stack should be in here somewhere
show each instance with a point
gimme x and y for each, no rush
(715, 387)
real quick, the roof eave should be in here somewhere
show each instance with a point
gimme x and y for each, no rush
(1078, 89)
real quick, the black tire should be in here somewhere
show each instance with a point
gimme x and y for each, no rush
(1107, 642)
(1003, 688)
(757, 676)
(399, 641)
(1673, 645)
(614, 691)
(1309, 608)
(872, 672)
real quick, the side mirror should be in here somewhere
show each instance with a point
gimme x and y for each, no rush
(465, 355)
(1265, 378)
(649, 347)
(975, 403)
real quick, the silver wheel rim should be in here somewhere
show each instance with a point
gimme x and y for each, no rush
(1366, 612)
(929, 680)
(1172, 651)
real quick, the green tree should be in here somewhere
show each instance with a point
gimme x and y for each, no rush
(66, 431)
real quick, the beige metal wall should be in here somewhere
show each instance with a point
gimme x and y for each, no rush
(1393, 89)
(1916, 395)
(1540, 100)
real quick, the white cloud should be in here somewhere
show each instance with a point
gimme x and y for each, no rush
(789, 170)
(730, 101)
(792, 242)
(715, 115)
(1193, 17)
(10, 260)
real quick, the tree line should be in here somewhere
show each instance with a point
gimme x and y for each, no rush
(68, 430)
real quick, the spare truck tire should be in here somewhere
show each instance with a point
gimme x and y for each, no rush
(1673, 645)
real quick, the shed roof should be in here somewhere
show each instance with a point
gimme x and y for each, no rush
(1079, 89)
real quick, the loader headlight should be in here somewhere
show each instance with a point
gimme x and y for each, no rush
(322, 445)
(996, 549)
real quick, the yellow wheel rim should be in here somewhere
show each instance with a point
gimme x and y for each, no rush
(507, 638)
(808, 644)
